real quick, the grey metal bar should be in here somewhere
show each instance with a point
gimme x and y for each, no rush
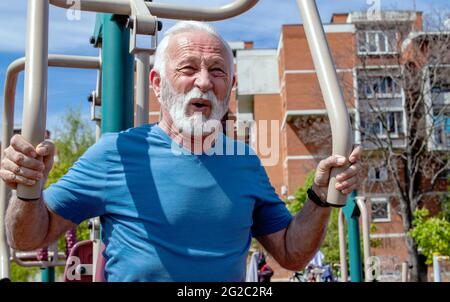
(35, 87)
(405, 271)
(33, 255)
(142, 88)
(331, 91)
(7, 131)
(342, 247)
(66, 61)
(11, 75)
(436, 269)
(33, 263)
(365, 233)
(163, 10)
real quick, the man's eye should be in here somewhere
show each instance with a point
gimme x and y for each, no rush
(218, 70)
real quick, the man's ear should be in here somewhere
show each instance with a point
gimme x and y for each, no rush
(155, 80)
(234, 80)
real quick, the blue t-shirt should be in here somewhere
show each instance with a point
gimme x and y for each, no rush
(168, 215)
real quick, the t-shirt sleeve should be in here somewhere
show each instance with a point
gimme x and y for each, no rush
(270, 214)
(79, 194)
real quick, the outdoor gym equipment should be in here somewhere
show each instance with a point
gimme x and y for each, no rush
(12, 74)
(118, 43)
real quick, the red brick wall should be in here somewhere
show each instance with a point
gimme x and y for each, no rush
(268, 107)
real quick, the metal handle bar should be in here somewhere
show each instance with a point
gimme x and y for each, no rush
(163, 10)
(331, 91)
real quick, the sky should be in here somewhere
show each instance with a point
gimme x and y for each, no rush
(69, 88)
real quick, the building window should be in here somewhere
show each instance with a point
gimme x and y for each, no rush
(442, 130)
(377, 42)
(378, 87)
(382, 123)
(380, 210)
(378, 174)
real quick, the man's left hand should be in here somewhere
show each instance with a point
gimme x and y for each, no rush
(347, 181)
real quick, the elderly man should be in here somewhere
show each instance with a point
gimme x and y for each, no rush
(165, 215)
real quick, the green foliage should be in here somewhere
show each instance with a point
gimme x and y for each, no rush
(22, 274)
(71, 140)
(330, 245)
(432, 234)
(295, 205)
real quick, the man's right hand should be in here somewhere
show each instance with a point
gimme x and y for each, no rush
(24, 164)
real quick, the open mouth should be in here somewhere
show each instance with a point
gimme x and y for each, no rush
(200, 104)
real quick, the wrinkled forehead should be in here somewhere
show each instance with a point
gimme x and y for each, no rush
(199, 43)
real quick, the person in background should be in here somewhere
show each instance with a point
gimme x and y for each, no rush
(265, 272)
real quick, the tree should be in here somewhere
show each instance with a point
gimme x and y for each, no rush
(432, 234)
(71, 140)
(404, 120)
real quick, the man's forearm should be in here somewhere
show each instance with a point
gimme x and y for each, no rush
(26, 223)
(305, 234)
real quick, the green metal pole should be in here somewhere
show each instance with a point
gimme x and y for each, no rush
(117, 72)
(48, 274)
(117, 75)
(352, 214)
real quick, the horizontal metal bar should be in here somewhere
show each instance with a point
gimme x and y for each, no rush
(33, 255)
(82, 62)
(41, 264)
(162, 10)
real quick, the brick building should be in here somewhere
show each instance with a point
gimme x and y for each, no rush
(279, 87)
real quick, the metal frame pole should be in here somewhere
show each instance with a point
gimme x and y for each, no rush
(341, 130)
(405, 271)
(342, 247)
(35, 86)
(117, 75)
(360, 202)
(142, 88)
(48, 274)
(436, 268)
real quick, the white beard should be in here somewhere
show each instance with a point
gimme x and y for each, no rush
(197, 124)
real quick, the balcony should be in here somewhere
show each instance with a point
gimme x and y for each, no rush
(441, 98)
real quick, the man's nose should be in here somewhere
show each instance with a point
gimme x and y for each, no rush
(203, 80)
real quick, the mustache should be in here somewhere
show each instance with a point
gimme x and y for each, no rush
(196, 93)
